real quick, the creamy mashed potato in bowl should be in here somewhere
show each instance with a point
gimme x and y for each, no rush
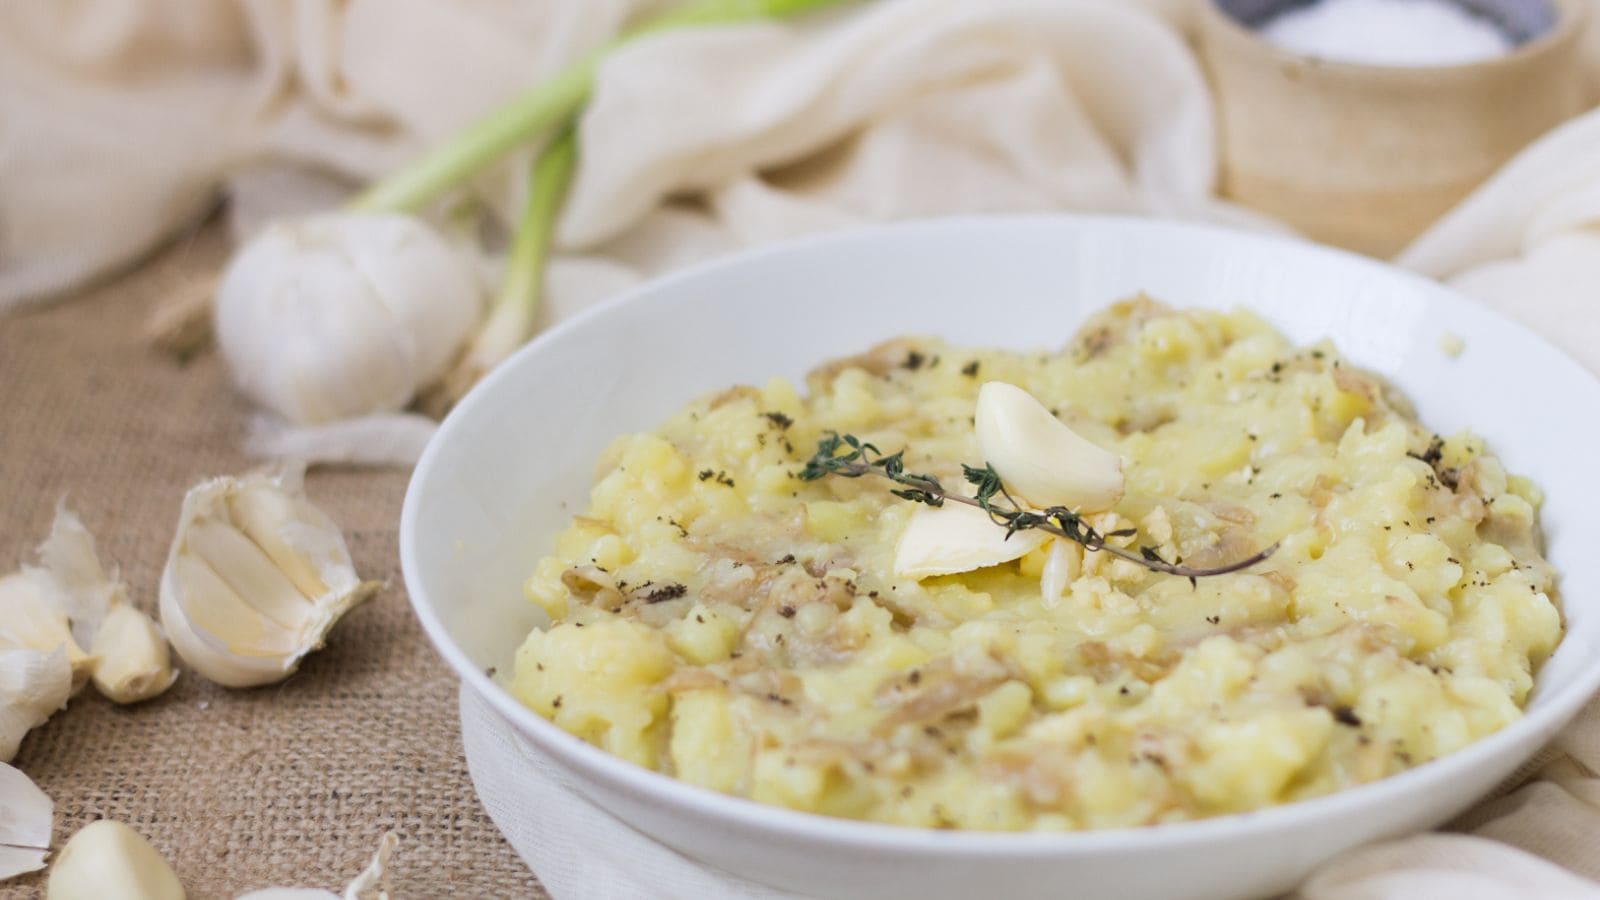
(1290, 708)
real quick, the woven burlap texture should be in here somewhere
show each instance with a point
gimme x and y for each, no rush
(291, 784)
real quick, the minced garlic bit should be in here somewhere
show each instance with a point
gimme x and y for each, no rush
(1451, 344)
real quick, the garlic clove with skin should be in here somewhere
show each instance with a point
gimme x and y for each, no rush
(342, 314)
(25, 821)
(34, 684)
(953, 538)
(1038, 457)
(108, 859)
(128, 655)
(33, 617)
(256, 577)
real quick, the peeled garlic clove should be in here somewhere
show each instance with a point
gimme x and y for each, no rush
(1061, 568)
(255, 578)
(131, 658)
(1038, 457)
(33, 617)
(954, 538)
(109, 859)
(34, 684)
(25, 819)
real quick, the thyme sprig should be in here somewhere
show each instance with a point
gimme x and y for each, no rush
(848, 456)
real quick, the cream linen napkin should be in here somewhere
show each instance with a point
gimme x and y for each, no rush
(121, 119)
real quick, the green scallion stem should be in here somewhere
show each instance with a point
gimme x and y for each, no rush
(545, 106)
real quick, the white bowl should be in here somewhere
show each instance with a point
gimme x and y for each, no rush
(513, 463)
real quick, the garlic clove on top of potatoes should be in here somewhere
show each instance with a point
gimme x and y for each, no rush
(107, 859)
(953, 538)
(25, 822)
(256, 577)
(1061, 567)
(1038, 457)
(342, 314)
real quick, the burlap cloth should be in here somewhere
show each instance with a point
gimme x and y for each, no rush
(285, 785)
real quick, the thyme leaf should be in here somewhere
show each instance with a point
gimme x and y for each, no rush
(847, 456)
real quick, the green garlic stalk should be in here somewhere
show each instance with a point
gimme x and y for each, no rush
(547, 105)
(511, 318)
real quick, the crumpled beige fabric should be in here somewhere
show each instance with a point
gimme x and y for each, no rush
(121, 120)
(1528, 241)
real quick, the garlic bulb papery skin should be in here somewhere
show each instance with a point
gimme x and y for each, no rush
(255, 578)
(88, 593)
(34, 685)
(1038, 457)
(342, 314)
(107, 859)
(25, 820)
(127, 653)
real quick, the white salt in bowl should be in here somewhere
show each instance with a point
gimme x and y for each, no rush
(1367, 156)
(513, 463)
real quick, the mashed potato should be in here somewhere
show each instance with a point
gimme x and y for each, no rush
(720, 620)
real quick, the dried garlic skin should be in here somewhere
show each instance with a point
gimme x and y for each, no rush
(369, 885)
(87, 593)
(256, 577)
(131, 658)
(25, 820)
(106, 860)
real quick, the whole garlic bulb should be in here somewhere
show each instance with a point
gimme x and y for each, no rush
(342, 314)
(255, 578)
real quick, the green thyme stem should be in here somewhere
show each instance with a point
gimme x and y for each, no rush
(546, 106)
(860, 458)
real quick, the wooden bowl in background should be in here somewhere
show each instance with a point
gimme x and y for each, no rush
(1366, 156)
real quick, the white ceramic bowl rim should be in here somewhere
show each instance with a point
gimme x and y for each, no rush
(1557, 704)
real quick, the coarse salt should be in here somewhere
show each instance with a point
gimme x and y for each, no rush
(1388, 32)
